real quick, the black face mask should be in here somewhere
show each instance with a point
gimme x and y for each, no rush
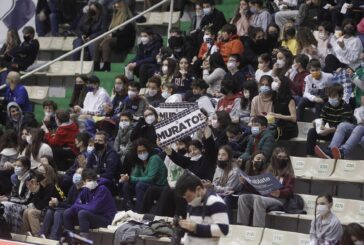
(273, 36)
(182, 151)
(27, 38)
(224, 90)
(175, 43)
(349, 30)
(260, 44)
(258, 165)
(98, 146)
(290, 32)
(92, 12)
(222, 164)
(282, 163)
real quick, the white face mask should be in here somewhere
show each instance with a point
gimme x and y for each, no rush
(196, 201)
(152, 92)
(196, 158)
(132, 94)
(48, 113)
(144, 40)
(206, 11)
(214, 123)
(164, 69)
(358, 243)
(322, 210)
(275, 86)
(280, 63)
(165, 94)
(123, 125)
(322, 36)
(206, 37)
(150, 119)
(90, 149)
(143, 156)
(91, 184)
(246, 94)
(29, 139)
(231, 66)
(18, 170)
(118, 87)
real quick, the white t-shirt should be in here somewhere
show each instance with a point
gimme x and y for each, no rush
(93, 102)
(259, 73)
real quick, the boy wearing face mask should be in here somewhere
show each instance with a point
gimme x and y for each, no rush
(145, 127)
(261, 17)
(154, 96)
(53, 220)
(233, 66)
(134, 103)
(212, 16)
(229, 42)
(333, 112)
(326, 227)
(94, 207)
(314, 92)
(297, 75)
(261, 139)
(207, 218)
(49, 108)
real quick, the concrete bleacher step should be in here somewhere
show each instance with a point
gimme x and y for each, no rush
(159, 21)
(53, 47)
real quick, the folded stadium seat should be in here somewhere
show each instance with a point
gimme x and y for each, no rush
(68, 44)
(159, 21)
(37, 94)
(239, 234)
(42, 241)
(18, 237)
(349, 210)
(310, 170)
(278, 237)
(303, 128)
(282, 221)
(348, 178)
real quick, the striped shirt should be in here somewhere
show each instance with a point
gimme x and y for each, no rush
(212, 221)
(336, 115)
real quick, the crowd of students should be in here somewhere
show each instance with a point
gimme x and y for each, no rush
(253, 76)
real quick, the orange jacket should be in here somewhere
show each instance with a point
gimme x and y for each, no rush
(203, 50)
(233, 46)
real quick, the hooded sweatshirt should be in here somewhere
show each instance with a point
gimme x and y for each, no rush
(98, 201)
(26, 119)
(227, 104)
(64, 136)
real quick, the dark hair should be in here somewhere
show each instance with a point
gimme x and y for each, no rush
(305, 38)
(284, 94)
(266, 58)
(229, 29)
(249, 167)
(260, 120)
(224, 119)
(8, 140)
(274, 167)
(83, 78)
(50, 103)
(187, 182)
(252, 87)
(25, 161)
(327, 26)
(275, 26)
(89, 173)
(172, 65)
(186, 140)
(127, 114)
(352, 229)
(238, 58)
(233, 128)
(335, 90)
(155, 79)
(314, 63)
(147, 30)
(171, 86)
(268, 78)
(134, 85)
(197, 144)
(289, 60)
(124, 80)
(37, 138)
(199, 83)
(289, 32)
(101, 132)
(231, 85)
(216, 61)
(149, 108)
(223, 180)
(176, 30)
(303, 60)
(84, 138)
(348, 21)
(259, 2)
(35, 175)
(28, 30)
(211, 2)
(93, 80)
(3, 62)
(143, 142)
(63, 116)
(51, 162)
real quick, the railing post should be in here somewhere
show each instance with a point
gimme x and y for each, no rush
(171, 6)
(81, 60)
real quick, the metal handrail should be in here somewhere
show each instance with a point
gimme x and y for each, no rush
(101, 36)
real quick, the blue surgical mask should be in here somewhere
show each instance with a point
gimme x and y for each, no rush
(264, 89)
(334, 102)
(76, 179)
(90, 89)
(253, 10)
(18, 171)
(143, 156)
(255, 130)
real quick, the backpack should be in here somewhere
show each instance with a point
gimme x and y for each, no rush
(5, 227)
(294, 205)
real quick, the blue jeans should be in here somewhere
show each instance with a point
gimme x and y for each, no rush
(304, 102)
(91, 49)
(139, 189)
(52, 223)
(353, 134)
(86, 220)
(231, 204)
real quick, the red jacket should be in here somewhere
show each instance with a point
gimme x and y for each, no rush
(233, 46)
(226, 104)
(65, 135)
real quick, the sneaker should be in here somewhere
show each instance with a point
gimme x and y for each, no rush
(322, 152)
(337, 153)
(29, 233)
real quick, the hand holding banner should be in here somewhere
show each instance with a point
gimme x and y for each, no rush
(263, 183)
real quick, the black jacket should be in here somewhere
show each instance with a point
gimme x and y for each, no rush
(147, 53)
(216, 18)
(125, 37)
(25, 54)
(143, 130)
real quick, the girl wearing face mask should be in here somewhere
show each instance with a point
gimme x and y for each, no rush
(249, 92)
(145, 126)
(241, 18)
(213, 73)
(281, 168)
(119, 93)
(35, 148)
(79, 91)
(148, 171)
(219, 121)
(284, 113)
(52, 223)
(262, 104)
(168, 68)
(154, 95)
(234, 64)
(326, 227)
(264, 66)
(284, 60)
(347, 49)
(226, 178)
(307, 44)
(353, 235)
(325, 38)
(183, 78)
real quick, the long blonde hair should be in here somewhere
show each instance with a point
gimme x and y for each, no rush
(120, 16)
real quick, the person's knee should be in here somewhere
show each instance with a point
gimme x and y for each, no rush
(311, 134)
(140, 186)
(258, 204)
(83, 214)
